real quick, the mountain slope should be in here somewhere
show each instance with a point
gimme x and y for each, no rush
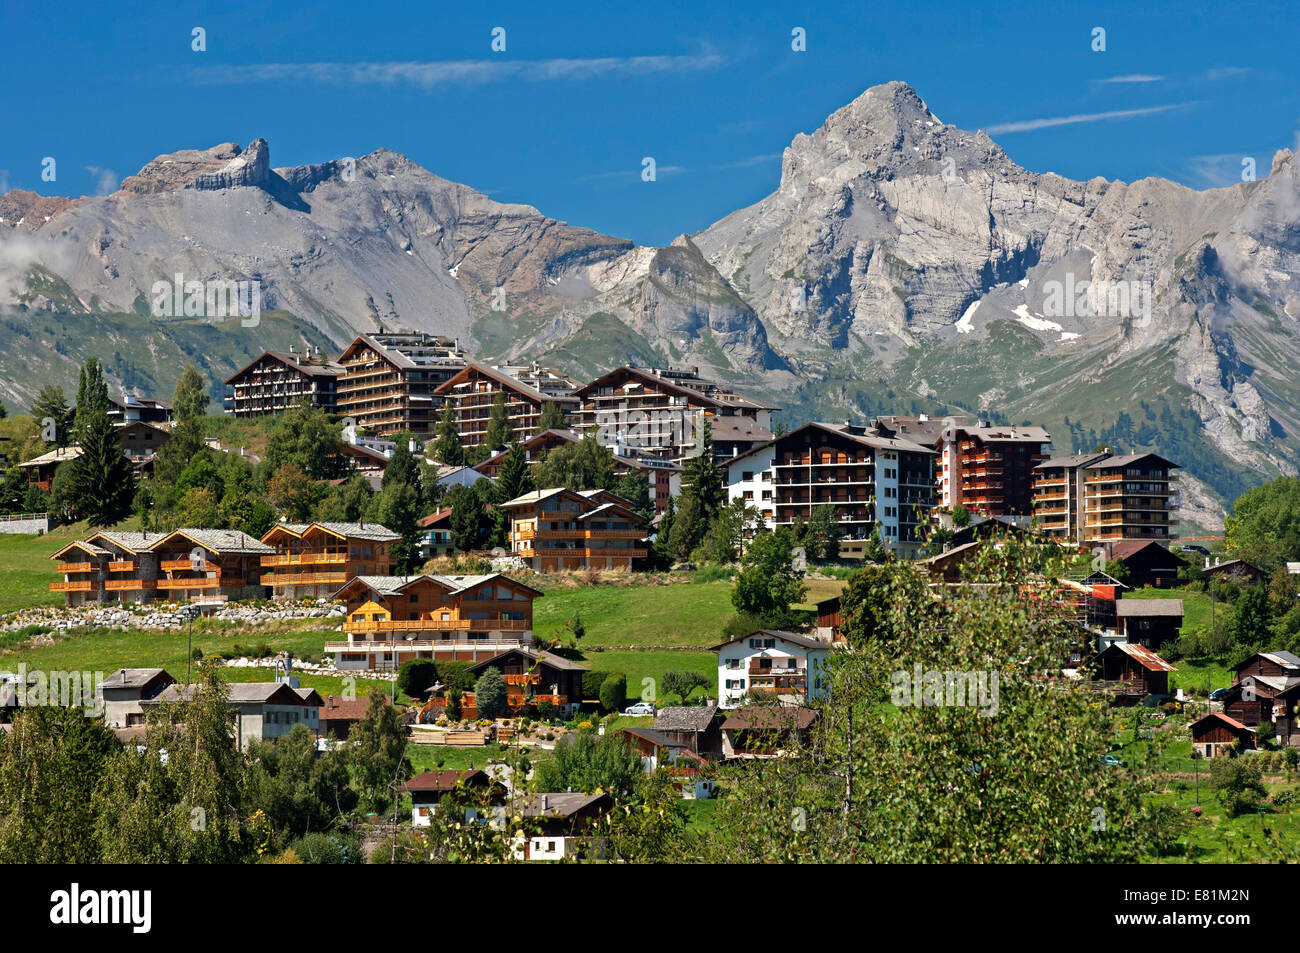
(901, 264)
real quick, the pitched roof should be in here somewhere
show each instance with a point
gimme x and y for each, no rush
(443, 779)
(793, 638)
(327, 368)
(132, 542)
(437, 516)
(1111, 463)
(240, 693)
(1165, 608)
(770, 717)
(57, 455)
(133, 677)
(685, 718)
(537, 655)
(1220, 716)
(554, 805)
(1070, 460)
(220, 540)
(1144, 656)
(334, 708)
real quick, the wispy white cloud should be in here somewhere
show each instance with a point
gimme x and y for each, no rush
(1226, 72)
(1028, 125)
(429, 74)
(106, 180)
(660, 171)
(750, 161)
(1133, 78)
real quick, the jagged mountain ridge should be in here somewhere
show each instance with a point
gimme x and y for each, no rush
(894, 247)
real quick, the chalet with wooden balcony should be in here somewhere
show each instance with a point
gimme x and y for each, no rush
(1149, 622)
(1219, 734)
(534, 676)
(558, 528)
(389, 380)
(650, 412)
(472, 391)
(429, 789)
(279, 380)
(786, 665)
(457, 618)
(1267, 688)
(40, 470)
(1132, 672)
(873, 483)
(109, 566)
(314, 560)
(209, 565)
(560, 826)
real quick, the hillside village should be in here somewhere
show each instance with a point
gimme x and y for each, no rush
(410, 519)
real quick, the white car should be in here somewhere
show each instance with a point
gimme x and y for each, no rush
(640, 708)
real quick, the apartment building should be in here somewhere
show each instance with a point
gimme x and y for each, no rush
(207, 565)
(989, 469)
(1103, 497)
(558, 528)
(312, 560)
(279, 380)
(466, 618)
(473, 390)
(390, 378)
(868, 479)
(130, 408)
(658, 413)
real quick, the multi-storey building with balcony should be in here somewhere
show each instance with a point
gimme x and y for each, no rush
(784, 664)
(466, 618)
(185, 565)
(389, 380)
(989, 469)
(871, 482)
(314, 560)
(533, 676)
(659, 413)
(278, 380)
(473, 390)
(557, 529)
(1102, 497)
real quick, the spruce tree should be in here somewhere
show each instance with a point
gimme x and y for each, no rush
(101, 487)
(552, 417)
(447, 448)
(499, 432)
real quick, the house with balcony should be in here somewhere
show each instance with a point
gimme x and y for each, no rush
(534, 676)
(1149, 622)
(263, 710)
(472, 391)
(558, 528)
(209, 565)
(313, 560)
(786, 665)
(872, 482)
(114, 566)
(389, 380)
(390, 619)
(1105, 498)
(279, 380)
(1132, 672)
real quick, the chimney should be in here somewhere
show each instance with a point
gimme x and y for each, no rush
(546, 802)
(1216, 560)
(291, 349)
(1207, 562)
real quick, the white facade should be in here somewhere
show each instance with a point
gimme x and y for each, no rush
(771, 661)
(750, 478)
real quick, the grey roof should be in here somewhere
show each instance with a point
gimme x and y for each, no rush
(223, 540)
(685, 718)
(794, 638)
(388, 585)
(372, 531)
(1172, 608)
(1071, 460)
(1286, 658)
(132, 677)
(555, 661)
(240, 693)
(133, 542)
(1110, 463)
(555, 805)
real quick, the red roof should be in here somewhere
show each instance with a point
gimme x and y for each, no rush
(442, 779)
(437, 516)
(346, 709)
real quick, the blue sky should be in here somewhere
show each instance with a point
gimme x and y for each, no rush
(563, 117)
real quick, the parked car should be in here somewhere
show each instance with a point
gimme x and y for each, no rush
(640, 708)
(1111, 761)
(1219, 694)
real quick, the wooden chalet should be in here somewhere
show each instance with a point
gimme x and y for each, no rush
(429, 788)
(1218, 734)
(534, 676)
(1132, 672)
(1149, 622)
(466, 618)
(312, 560)
(766, 731)
(558, 528)
(559, 825)
(1149, 563)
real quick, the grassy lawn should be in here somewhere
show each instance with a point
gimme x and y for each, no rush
(639, 665)
(685, 614)
(1215, 838)
(1196, 606)
(819, 589)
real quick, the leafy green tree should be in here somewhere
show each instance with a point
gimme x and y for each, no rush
(468, 519)
(1254, 616)
(768, 583)
(727, 534)
(190, 399)
(663, 542)
(514, 478)
(292, 492)
(681, 682)
(585, 465)
(378, 753)
(401, 468)
(613, 691)
(552, 417)
(174, 456)
(585, 762)
(415, 676)
(304, 437)
(398, 508)
(821, 538)
(297, 788)
(1264, 528)
(499, 431)
(52, 405)
(490, 694)
(52, 761)
(634, 486)
(1238, 783)
(181, 800)
(448, 448)
(348, 502)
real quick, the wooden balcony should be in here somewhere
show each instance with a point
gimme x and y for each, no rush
(185, 564)
(304, 579)
(439, 625)
(79, 567)
(200, 583)
(122, 565)
(429, 645)
(118, 585)
(76, 585)
(534, 678)
(305, 559)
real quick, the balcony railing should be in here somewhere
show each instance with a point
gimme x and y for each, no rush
(304, 579)
(130, 584)
(122, 565)
(170, 564)
(440, 625)
(305, 559)
(203, 583)
(77, 585)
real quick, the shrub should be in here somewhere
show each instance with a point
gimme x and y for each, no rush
(613, 691)
(591, 682)
(322, 848)
(455, 675)
(490, 694)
